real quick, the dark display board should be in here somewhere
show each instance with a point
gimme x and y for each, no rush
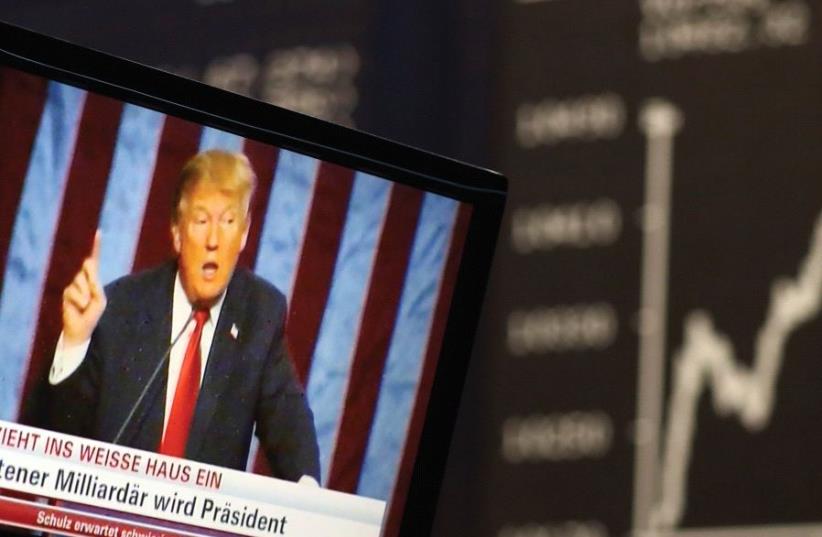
(413, 72)
(654, 320)
(294, 54)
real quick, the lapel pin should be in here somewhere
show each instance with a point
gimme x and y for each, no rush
(234, 331)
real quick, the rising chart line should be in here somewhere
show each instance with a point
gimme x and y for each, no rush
(659, 120)
(706, 360)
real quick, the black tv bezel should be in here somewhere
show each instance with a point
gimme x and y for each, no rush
(483, 189)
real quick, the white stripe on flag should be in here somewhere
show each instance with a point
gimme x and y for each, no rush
(337, 338)
(412, 328)
(283, 231)
(32, 238)
(285, 219)
(216, 139)
(129, 184)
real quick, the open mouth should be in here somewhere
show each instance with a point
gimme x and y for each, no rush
(209, 270)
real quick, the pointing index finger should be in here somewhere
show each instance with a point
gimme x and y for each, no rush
(95, 249)
(93, 262)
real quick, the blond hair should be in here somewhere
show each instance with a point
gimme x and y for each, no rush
(227, 171)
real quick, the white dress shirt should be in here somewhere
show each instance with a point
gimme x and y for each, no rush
(67, 360)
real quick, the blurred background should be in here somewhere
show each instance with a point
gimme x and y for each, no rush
(646, 361)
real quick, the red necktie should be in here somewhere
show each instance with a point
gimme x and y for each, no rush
(185, 398)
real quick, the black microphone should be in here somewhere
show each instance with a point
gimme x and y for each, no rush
(151, 380)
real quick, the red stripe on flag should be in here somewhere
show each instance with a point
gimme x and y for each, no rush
(178, 143)
(432, 353)
(22, 97)
(79, 217)
(316, 266)
(312, 282)
(377, 325)
(263, 159)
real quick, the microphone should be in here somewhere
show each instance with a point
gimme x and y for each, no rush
(160, 365)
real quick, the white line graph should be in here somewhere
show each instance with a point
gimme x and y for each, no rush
(660, 121)
(707, 360)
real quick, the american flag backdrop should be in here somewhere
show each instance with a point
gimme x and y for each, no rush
(368, 265)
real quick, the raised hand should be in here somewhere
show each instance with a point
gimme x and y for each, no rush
(83, 300)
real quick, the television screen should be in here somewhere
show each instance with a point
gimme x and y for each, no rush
(221, 317)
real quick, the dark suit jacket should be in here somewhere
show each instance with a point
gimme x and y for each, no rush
(248, 379)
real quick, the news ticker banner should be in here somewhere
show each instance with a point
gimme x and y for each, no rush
(653, 321)
(191, 496)
(40, 517)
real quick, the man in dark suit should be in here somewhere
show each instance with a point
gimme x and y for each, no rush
(228, 369)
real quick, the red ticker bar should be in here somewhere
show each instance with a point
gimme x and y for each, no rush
(37, 516)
